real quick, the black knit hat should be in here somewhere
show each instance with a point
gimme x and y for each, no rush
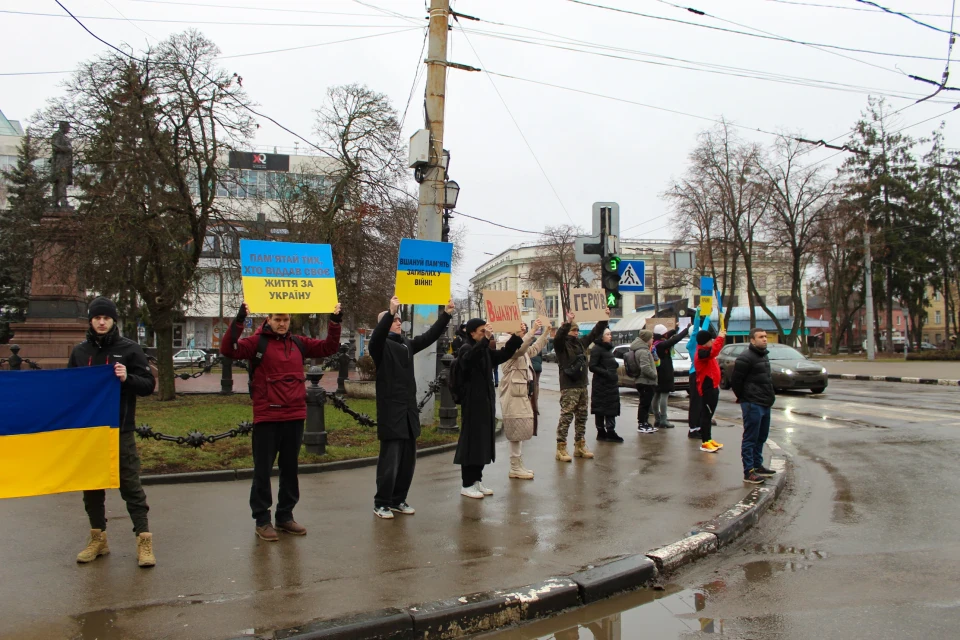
(102, 307)
(473, 324)
(703, 337)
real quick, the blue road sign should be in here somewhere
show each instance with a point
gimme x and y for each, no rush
(632, 275)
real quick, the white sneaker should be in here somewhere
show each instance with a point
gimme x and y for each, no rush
(471, 492)
(482, 489)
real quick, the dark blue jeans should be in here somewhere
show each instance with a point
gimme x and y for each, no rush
(756, 428)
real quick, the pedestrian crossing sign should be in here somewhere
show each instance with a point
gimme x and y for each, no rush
(632, 275)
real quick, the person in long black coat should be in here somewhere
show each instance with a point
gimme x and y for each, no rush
(398, 419)
(664, 341)
(475, 361)
(605, 396)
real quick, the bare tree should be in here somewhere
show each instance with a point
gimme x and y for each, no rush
(151, 134)
(838, 255)
(800, 198)
(556, 262)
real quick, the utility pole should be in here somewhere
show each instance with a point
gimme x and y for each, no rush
(868, 275)
(430, 211)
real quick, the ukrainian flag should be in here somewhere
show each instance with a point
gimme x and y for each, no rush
(59, 431)
(706, 296)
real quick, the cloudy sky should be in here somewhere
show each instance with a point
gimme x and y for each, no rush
(600, 105)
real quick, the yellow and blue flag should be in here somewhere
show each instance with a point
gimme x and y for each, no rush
(706, 296)
(59, 431)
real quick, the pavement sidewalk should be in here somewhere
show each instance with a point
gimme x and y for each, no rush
(215, 579)
(911, 369)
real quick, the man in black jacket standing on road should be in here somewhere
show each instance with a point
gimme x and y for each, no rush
(573, 364)
(398, 419)
(105, 345)
(752, 383)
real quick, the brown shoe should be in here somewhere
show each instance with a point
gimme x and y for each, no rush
(145, 557)
(268, 533)
(291, 526)
(96, 547)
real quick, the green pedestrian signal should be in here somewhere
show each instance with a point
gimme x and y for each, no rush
(611, 300)
(614, 263)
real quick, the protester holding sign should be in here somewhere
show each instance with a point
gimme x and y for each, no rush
(572, 361)
(516, 397)
(279, 392)
(398, 418)
(475, 362)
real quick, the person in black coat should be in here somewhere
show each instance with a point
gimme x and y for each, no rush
(475, 362)
(605, 399)
(105, 346)
(398, 419)
(664, 341)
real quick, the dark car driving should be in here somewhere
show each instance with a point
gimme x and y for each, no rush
(790, 368)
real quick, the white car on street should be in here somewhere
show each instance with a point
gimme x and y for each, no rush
(681, 365)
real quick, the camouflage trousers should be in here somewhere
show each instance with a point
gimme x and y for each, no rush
(573, 403)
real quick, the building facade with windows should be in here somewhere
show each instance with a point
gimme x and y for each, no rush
(10, 134)
(665, 287)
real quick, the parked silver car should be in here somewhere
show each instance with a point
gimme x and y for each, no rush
(790, 368)
(681, 366)
(190, 356)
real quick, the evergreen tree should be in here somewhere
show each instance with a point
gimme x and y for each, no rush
(27, 201)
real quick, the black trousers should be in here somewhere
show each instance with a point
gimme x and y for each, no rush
(646, 392)
(471, 473)
(130, 490)
(693, 412)
(280, 442)
(395, 466)
(605, 423)
(708, 405)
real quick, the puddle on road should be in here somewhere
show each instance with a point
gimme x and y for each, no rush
(98, 625)
(667, 614)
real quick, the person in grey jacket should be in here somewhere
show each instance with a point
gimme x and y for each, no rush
(646, 382)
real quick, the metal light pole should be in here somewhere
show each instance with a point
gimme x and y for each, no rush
(868, 275)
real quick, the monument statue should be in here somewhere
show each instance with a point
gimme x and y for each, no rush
(61, 165)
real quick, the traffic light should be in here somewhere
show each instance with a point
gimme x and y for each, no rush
(611, 279)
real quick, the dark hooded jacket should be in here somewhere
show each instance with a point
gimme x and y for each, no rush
(605, 390)
(110, 349)
(279, 383)
(665, 376)
(397, 415)
(479, 409)
(570, 350)
(752, 380)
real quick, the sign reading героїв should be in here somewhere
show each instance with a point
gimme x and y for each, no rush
(287, 277)
(423, 272)
(588, 304)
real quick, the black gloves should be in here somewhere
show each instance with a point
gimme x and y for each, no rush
(337, 317)
(241, 314)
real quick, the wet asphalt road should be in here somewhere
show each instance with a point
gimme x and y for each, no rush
(863, 544)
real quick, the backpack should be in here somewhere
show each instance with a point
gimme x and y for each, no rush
(261, 350)
(630, 363)
(455, 382)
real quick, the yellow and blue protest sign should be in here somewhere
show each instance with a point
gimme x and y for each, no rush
(706, 296)
(69, 444)
(423, 272)
(287, 277)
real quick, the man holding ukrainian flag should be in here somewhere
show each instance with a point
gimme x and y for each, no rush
(105, 346)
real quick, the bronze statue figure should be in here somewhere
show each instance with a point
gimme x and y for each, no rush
(61, 165)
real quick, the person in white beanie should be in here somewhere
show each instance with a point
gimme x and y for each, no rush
(663, 343)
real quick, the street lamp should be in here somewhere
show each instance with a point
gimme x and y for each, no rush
(451, 191)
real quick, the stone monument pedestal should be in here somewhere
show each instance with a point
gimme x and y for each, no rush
(56, 315)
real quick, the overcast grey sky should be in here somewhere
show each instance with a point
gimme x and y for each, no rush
(590, 147)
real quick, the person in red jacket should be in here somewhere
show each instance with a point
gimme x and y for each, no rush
(708, 385)
(279, 396)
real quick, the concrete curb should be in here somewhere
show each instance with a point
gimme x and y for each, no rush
(479, 612)
(943, 382)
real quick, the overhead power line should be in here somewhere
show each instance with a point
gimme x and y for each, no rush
(908, 17)
(861, 9)
(496, 224)
(214, 22)
(761, 36)
(247, 8)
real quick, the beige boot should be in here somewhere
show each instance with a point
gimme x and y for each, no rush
(517, 471)
(145, 557)
(562, 454)
(580, 449)
(525, 470)
(97, 546)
